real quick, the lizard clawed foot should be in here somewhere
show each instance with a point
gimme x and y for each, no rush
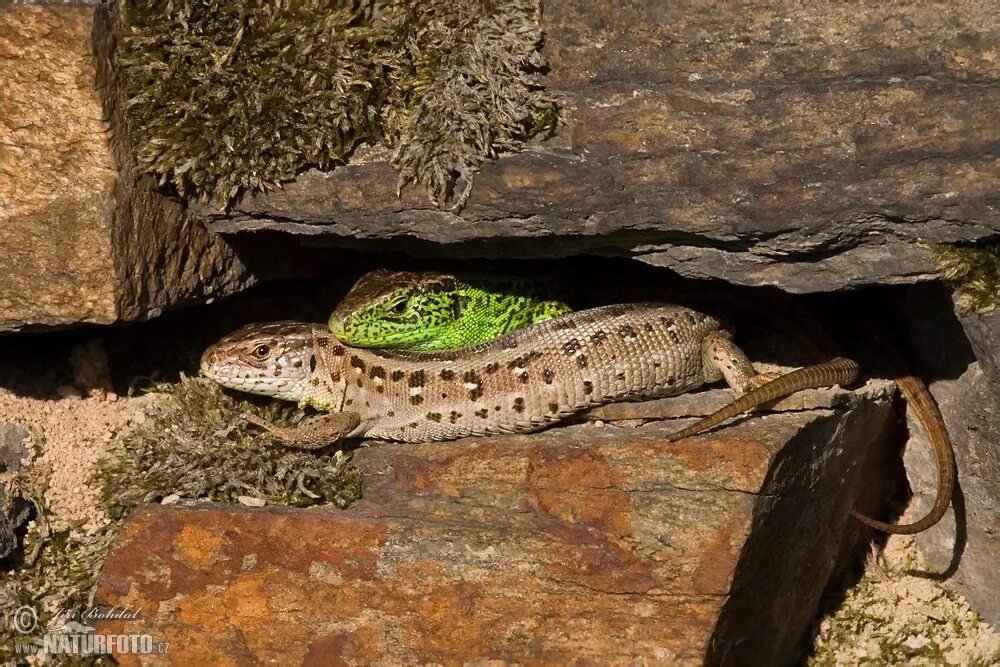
(312, 433)
(760, 379)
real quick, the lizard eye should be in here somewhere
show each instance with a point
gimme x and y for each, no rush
(261, 351)
(399, 307)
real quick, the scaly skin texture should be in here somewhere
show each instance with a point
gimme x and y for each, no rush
(434, 311)
(836, 371)
(919, 397)
(518, 382)
(521, 381)
(426, 295)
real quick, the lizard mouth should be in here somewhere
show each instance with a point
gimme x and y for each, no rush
(207, 363)
(336, 325)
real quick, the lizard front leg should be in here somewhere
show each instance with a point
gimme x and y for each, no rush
(721, 356)
(312, 433)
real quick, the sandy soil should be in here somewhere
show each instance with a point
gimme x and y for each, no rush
(892, 617)
(73, 430)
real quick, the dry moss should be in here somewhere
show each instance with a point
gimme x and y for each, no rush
(54, 573)
(226, 96)
(195, 444)
(468, 94)
(974, 271)
(57, 580)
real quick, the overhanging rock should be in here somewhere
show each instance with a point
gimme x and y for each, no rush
(807, 148)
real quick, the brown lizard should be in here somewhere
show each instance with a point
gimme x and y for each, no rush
(519, 382)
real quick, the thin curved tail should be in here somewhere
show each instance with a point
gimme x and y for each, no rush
(836, 371)
(916, 394)
(843, 372)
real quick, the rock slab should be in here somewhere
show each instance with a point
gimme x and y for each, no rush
(576, 544)
(85, 238)
(56, 173)
(799, 145)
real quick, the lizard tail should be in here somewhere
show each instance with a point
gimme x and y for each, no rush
(916, 394)
(843, 372)
(836, 371)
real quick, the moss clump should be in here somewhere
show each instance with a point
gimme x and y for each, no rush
(53, 575)
(974, 271)
(467, 93)
(892, 617)
(194, 443)
(57, 581)
(225, 96)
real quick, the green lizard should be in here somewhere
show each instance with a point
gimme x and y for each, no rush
(435, 311)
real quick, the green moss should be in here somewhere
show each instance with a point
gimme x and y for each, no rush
(226, 96)
(194, 443)
(886, 619)
(57, 581)
(468, 94)
(974, 271)
(54, 574)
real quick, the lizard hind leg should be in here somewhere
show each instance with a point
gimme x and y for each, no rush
(722, 358)
(312, 433)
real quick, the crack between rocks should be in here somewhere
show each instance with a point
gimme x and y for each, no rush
(424, 518)
(772, 245)
(836, 240)
(840, 237)
(711, 488)
(657, 488)
(787, 245)
(652, 419)
(239, 216)
(643, 594)
(641, 236)
(730, 85)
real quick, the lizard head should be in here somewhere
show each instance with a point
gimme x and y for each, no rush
(273, 359)
(398, 309)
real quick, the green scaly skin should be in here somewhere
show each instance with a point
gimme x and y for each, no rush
(435, 311)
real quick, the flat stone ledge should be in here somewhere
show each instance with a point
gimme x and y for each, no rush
(576, 543)
(705, 402)
(781, 145)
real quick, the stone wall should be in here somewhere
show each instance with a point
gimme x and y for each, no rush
(805, 149)
(85, 237)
